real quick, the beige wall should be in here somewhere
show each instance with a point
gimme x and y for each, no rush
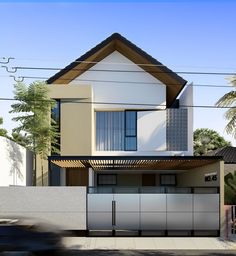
(230, 168)
(129, 180)
(77, 119)
(196, 176)
(41, 172)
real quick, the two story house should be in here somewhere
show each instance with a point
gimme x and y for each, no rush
(126, 133)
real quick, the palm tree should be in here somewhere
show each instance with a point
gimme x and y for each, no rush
(34, 106)
(230, 188)
(229, 100)
(3, 132)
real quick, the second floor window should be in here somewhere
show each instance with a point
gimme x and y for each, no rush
(116, 131)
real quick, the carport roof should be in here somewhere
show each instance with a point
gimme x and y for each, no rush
(133, 162)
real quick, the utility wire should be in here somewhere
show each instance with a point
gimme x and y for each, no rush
(122, 103)
(120, 63)
(124, 71)
(126, 82)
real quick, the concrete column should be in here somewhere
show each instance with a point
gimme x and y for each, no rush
(91, 177)
(222, 209)
(63, 177)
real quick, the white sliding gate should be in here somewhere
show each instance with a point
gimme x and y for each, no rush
(162, 212)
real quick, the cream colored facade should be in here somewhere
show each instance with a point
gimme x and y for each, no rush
(76, 119)
(103, 88)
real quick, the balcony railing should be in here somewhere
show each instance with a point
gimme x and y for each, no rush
(152, 190)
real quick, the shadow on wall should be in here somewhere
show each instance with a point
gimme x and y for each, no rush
(16, 162)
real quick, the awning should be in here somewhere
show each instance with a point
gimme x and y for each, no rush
(133, 162)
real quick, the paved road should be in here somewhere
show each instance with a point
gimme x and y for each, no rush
(149, 253)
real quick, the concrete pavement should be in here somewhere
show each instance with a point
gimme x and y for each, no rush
(148, 243)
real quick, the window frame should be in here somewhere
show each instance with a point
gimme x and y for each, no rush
(125, 135)
(102, 174)
(125, 131)
(171, 185)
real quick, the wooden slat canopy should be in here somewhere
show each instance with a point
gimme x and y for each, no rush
(133, 163)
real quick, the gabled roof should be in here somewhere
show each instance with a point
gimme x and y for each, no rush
(228, 153)
(116, 42)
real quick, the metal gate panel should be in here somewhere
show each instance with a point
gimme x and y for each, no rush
(99, 221)
(206, 221)
(127, 202)
(206, 202)
(153, 202)
(179, 202)
(100, 211)
(100, 202)
(179, 221)
(127, 212)
(127, 221)
(153, 221)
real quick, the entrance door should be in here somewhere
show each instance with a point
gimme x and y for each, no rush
(76, 177)
(148, 180)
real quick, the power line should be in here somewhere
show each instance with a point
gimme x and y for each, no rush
(122, 71)
(122, 82)
(121, 103)
(119, 63)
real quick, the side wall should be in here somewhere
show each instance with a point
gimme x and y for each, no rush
(16, 164)
(77, 118)
(64, 207)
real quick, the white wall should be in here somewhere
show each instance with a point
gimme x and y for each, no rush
(15, 164)
(144, 88)
(186, 99)
(61, 206)
(151, 128)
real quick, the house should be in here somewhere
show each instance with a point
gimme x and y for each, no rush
(229, 155)
(16, 164)
(126, 133)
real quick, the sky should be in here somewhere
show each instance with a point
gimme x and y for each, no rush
(183, 35)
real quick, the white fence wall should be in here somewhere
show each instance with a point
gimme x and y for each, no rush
(64, 207)
(15, 164)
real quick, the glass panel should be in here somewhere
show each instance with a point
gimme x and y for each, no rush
(130, 123)
(130, 143)
(106, 179)
(55, 115)
(110, 131)
(168, 179)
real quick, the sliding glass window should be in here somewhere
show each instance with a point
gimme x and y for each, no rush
(116, 130)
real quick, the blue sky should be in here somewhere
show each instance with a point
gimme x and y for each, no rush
(184, 35)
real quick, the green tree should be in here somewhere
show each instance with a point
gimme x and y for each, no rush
(33, 108)
(3, 132)
(230, 188)
(229, 100)
(206, 140)
(23, 140)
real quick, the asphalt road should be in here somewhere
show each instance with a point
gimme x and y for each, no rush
(149, 253)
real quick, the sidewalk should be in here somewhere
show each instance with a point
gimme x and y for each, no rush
(148, 243)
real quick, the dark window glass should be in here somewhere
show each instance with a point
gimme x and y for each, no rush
(130, 123)
(106, 179)
(130, 143)
(55, 114)
(168, 179)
